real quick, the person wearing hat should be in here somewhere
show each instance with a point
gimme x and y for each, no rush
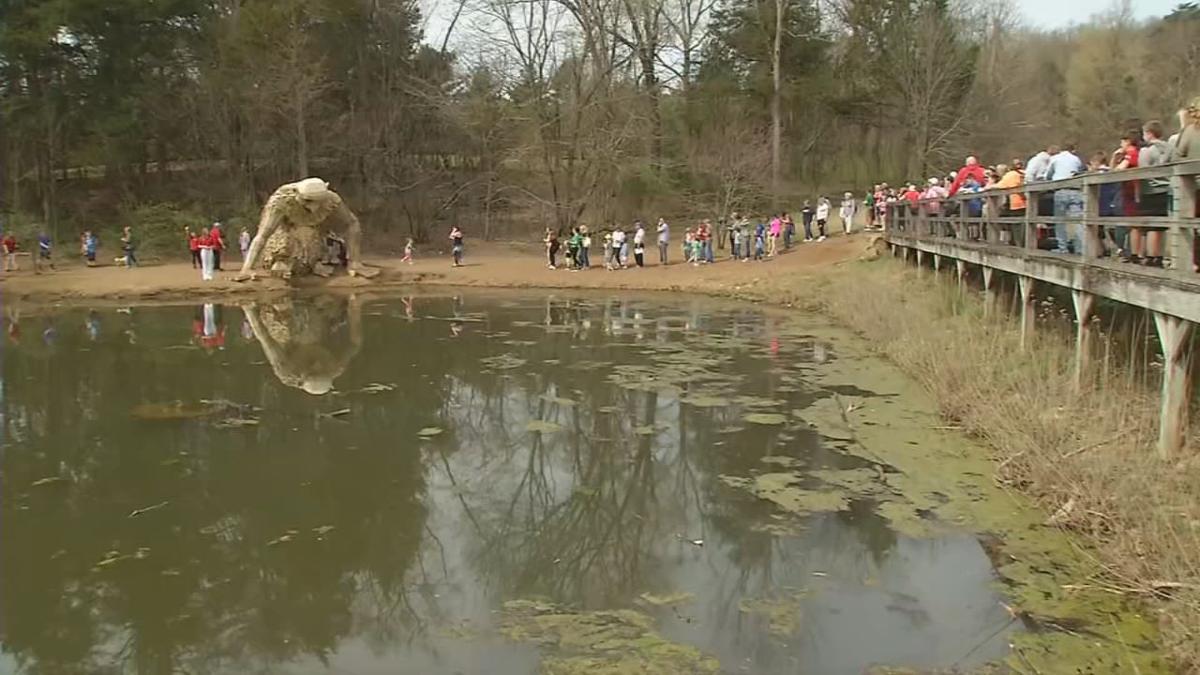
(846, 212)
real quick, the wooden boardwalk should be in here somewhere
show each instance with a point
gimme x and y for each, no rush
(978, 230)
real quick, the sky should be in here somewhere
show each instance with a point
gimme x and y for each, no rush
(1051, 14)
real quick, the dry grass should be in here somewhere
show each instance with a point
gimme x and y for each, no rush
(1088, 458)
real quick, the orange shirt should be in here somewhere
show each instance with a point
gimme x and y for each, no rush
(1012, 179)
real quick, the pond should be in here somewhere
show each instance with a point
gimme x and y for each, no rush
(509, 484)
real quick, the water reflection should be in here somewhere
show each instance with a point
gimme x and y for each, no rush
(539, 450)
(302, 340)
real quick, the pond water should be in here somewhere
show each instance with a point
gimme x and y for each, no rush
(503, 484)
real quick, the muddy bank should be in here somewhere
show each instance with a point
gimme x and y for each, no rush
(487, 266)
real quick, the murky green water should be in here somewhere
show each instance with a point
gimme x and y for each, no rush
(504, 484)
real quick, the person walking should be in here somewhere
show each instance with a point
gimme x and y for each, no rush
(551, 240)
(218, 244)
(823, 207)
(193, 242)
(10, 247)
(90, 244)
(585, 247)
(620, 249)
(849, 207)
(207, 256)
(639, 244)
(244, 244)
(409, 246)
(806, 217)
(456, 245)
(43, 253)
(664, 240)
(129, 247)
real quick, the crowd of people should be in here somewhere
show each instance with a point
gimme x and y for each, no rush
(1144, 146)
(758, 239)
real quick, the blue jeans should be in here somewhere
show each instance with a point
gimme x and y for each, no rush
(130, 258)
(1068, 203)
(807, 230)
(708, 250)
(737, 249)
(583, 258)
(787, 236)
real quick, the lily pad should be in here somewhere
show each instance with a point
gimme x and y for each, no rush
(768, 419)
(429, 432)
(543, 427)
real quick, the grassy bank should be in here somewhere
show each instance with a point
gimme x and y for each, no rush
(1088, 457)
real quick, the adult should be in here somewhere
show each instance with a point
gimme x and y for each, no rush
(971, 170)
(129, 247)
(618, 247)
(218, 244)
(1013, 205)
(869, 206)
(244, 241)
(456, 245)
(639, 244)
(43, 259)
(775, 229)
(1187, 141)
(551, 241)
(664, 239)
(1155, 194)
(1068, 202)
(822, 215)
(847, 210)
(10, 246)
(934, 193)
(208, 260)
(789, 230)
(806, 218)
(585, 246)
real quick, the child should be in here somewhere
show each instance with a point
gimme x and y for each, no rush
(736, 240)
(698, 255)
(129, 247)
(688, 239)
(244, 244)
(193, 246)
(90, 243)
(585, 245)
(760, 235)
(608, 251)
(408, 252)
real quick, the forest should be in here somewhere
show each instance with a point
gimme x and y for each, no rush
(515, 115)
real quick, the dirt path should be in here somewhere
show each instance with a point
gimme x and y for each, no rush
(489, 265)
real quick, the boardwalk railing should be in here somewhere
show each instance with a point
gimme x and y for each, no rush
(1078, 216)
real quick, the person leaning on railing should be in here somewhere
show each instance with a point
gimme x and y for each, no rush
(1014, 204)
(1155, 194)
(1186, 146)
(1068, 202)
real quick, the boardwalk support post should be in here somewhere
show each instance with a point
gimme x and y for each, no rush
(904, 254)
(961, 266)
(1085, 303)
(1173, 333)
(989, 290)
(1027, 311)
(937, 263)
(920, 258)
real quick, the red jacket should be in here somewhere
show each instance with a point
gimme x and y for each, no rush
(975, 171)
(10, 245)
(214, 236)
(193, 242)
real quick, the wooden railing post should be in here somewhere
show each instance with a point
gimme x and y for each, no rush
(1091, 240)
(1180, 239)
(1031, 214)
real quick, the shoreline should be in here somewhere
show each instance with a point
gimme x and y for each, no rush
(491, 265)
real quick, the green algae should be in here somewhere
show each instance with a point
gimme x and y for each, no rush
(782, 613)
(781, 489)
(611, 642)
(937, 480)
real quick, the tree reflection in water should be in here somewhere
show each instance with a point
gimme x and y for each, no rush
(327, 529)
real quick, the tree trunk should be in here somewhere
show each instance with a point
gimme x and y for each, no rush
(776, 95)
(301, 137)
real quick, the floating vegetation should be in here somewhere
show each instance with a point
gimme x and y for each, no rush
(377, 388)
(766, 419)
(781, 613)
(147, 509)
(782, 490)
(503, 361)
(618, 642)
(50, 480)
(176, 410)
(543, 427)
(430, 432)
(653, 600)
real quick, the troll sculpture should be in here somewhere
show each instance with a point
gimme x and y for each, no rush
(292, 230)
(308, 343)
